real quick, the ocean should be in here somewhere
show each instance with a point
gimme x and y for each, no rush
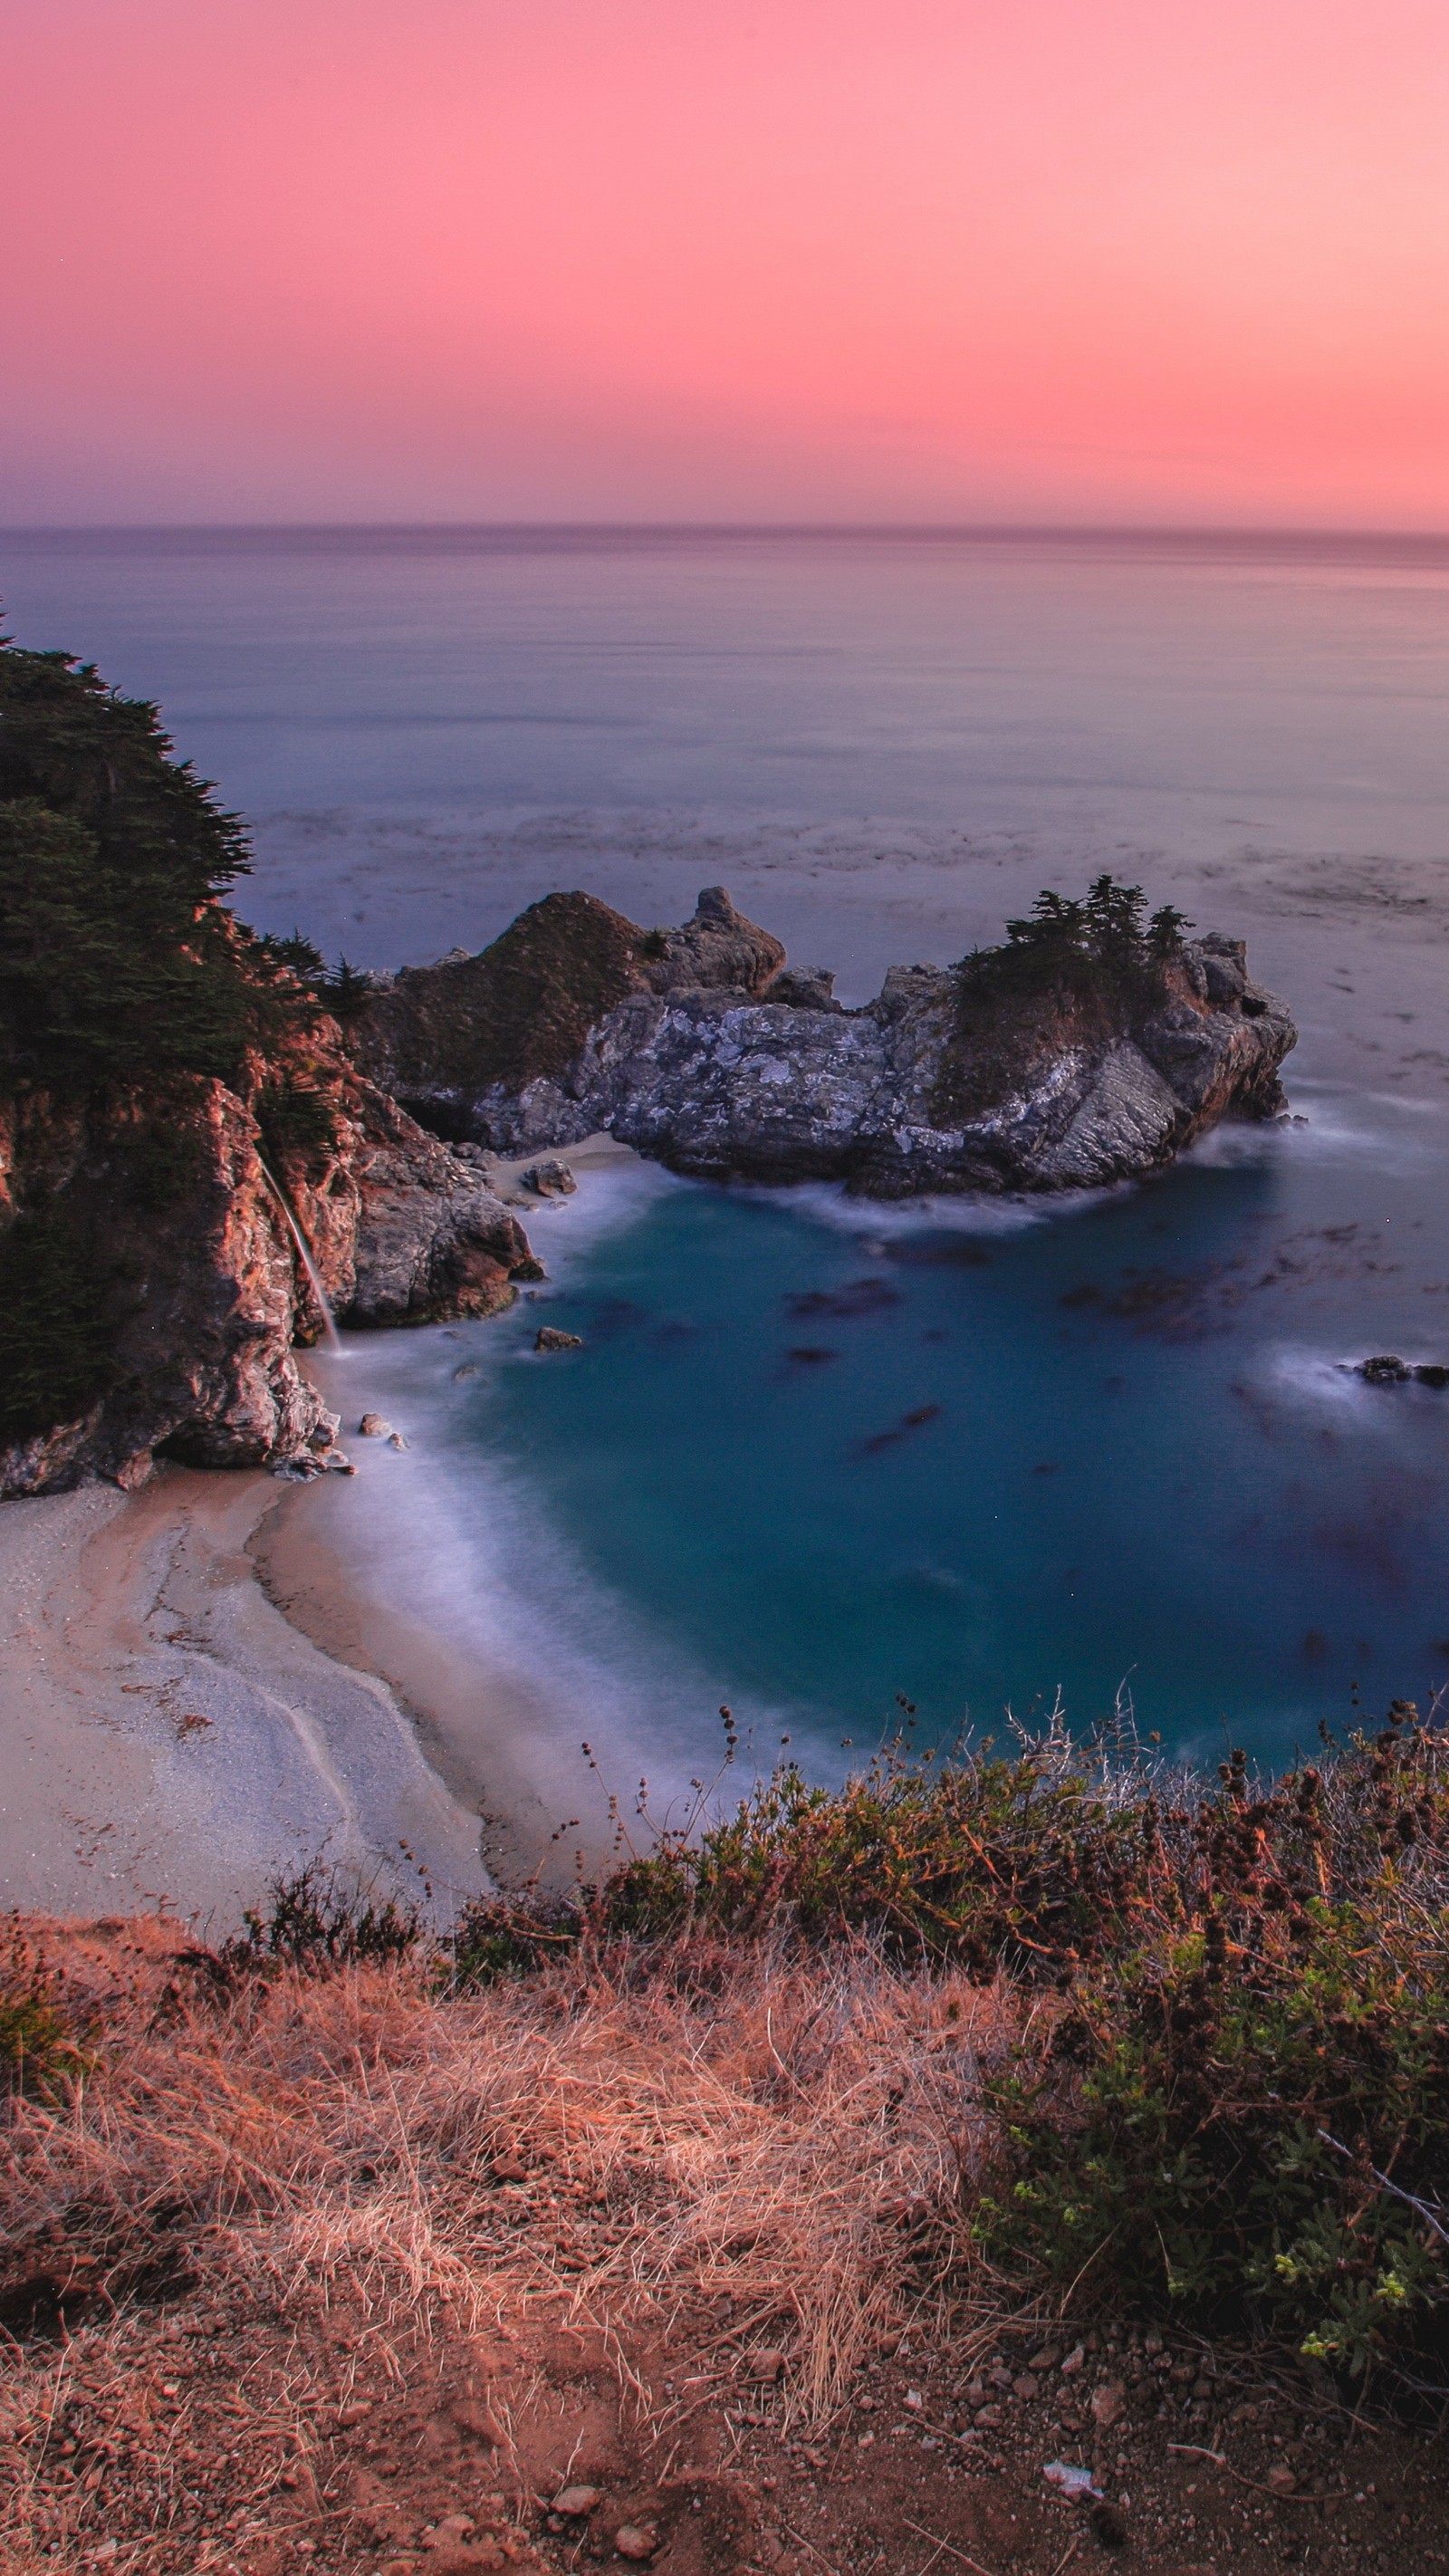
(1108, 1456)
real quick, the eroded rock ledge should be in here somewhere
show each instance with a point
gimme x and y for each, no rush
(202, 1291)
(703, 1048)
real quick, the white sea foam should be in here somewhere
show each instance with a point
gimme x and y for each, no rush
(1323, 1381)
(827, 1203)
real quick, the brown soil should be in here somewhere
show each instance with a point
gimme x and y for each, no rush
(330, 2277)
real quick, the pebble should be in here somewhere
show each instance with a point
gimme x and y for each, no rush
(636, 2540)
(395, 1440)
(578, 2500)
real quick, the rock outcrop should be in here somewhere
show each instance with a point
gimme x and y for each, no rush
(197, 1284)
(440, 1038)
(706, 1051)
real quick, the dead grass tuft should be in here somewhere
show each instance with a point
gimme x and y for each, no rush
(585, 2147)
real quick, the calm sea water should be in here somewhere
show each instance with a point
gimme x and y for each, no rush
(1107, 1451)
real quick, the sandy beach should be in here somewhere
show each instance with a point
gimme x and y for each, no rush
(200, 1691)
(170, 1740)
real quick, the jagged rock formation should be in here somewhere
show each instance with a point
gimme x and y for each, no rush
(197, 1293)
(152, 1048)
(702, 1048)
(441, 1038)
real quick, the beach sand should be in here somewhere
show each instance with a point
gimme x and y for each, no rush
(197, 1693)
(169, 1740)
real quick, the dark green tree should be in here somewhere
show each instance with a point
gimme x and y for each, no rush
(117, 956)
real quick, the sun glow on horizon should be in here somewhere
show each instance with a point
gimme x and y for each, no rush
(347, 260)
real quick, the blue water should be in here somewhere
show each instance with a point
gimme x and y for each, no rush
(1110, 1451)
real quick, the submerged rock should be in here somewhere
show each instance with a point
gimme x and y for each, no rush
(549, 1338)
(1017, 1070)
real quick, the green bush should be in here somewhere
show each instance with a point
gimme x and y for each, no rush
(314, 1920)
(39, 2048)
(1232, 2106)
(1244, 2116)
(296, 1120)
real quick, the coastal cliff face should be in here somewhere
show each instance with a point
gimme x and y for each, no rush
(175, 1100)
(161, 1218)
(716, 1058)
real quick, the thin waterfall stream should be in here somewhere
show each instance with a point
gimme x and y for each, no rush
(330, 1334)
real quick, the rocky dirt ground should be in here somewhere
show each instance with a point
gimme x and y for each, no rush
(551, 2331)
(203, 2436)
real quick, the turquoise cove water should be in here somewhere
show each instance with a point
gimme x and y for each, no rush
(813, 1455)
(1109, 1455)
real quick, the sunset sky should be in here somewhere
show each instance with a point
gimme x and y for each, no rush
(1122, 260)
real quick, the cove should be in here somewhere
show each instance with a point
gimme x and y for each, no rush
(824, 1453)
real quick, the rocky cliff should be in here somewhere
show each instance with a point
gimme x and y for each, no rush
(176, 1109)
(1049, 1064)
(168, 1289)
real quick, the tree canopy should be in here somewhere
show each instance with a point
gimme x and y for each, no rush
(117, 955)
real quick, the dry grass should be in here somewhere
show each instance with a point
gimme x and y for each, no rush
(746, 2140)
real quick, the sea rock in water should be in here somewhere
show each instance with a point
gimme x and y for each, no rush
(550, 1180)
(549, 1338)
(375, 1426)
(1385, 1370)
(702, 1048)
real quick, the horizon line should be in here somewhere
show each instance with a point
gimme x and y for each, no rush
(999, 529)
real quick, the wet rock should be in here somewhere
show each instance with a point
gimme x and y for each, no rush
(551, 1180)
(375, 1426)
(549, 1338)
(1385, 1370)
(395, 1440)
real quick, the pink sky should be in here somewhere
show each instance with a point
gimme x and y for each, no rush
(826, 259)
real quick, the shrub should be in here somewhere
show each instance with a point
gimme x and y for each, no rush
(295, 1120)
(313, 1920)
(1244, 2115)
(39, 2050)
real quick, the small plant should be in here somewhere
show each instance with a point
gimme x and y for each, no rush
(39, 2050)
(502, 1936)
(313, 1921)
(296, 1120)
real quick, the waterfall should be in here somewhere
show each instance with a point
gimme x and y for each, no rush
(330, 1334)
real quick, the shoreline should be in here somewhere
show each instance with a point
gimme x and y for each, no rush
(172, 1742)
(199, 1693)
